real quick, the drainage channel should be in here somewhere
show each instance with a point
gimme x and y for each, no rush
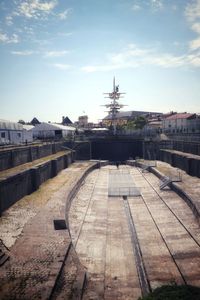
(142, 274)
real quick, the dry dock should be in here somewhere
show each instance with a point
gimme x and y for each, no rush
(114, 236)
(127, 234)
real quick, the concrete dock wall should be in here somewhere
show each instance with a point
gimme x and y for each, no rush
(188, 163)
(15, 187)
(17, 156)
(188, 147)
(116, 149)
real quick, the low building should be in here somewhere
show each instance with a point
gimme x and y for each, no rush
(52, 131)
(123, 117)
(10, 132)
(27, 133)
(181, 123)
(83, 121)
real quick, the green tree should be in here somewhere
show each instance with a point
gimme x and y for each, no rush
(140, 122)
(21, 122)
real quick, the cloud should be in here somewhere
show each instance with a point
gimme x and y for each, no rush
(23, 53)
(100, 68)
(13, 39)
(65, 14)
(62, 66)
(194, 60)
(192, 13)
(134, 57)
(196, 27)
(35, 8)
(136, 7)
(66, 34)
(56, 53)
(192, 10)
(156, 4)
(9, 20)
(195, 44)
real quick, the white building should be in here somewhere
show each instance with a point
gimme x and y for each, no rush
(27, 133)
(10, 132)
(181, 123)
(52, 131)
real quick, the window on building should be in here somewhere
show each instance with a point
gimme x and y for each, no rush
(3, 135)
(19, 134)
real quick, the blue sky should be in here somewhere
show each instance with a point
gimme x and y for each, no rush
(58, 57)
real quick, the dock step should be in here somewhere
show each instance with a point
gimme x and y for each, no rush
(3, 258)
(165, 182)
(145, 168)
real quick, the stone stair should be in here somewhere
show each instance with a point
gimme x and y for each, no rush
(3, 258)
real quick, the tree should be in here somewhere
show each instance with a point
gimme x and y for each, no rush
(140, 122)
(21, 122)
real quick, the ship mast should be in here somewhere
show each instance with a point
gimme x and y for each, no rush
(114, 106)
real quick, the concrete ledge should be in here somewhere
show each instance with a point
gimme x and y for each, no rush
(17, 156)
(24, 183)
(190, 163)
(189, 201)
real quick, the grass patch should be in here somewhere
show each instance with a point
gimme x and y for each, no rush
(174, 292)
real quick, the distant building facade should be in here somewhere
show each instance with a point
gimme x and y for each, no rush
(181, 123)
(10, 132)
(83, 121)
(123, 117)
(27, 133)
(52, 131)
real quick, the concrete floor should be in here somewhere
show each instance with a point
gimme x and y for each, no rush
(167, 231)
(18, 215)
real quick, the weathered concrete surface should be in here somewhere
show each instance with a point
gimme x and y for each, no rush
(39, 251)
(14, 156)
(17, 182)
(101, 236)
(167, 231)
(169, 212)
(189, 185)
(23, 167)
(190, 163)
(44, 264)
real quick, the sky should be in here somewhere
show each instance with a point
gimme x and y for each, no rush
(58, 57)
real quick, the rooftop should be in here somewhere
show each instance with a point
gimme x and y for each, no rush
(181, 116)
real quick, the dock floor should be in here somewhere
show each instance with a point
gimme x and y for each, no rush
(166, 230)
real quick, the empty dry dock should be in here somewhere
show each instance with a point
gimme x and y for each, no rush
(131, 236)
(133, 242)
